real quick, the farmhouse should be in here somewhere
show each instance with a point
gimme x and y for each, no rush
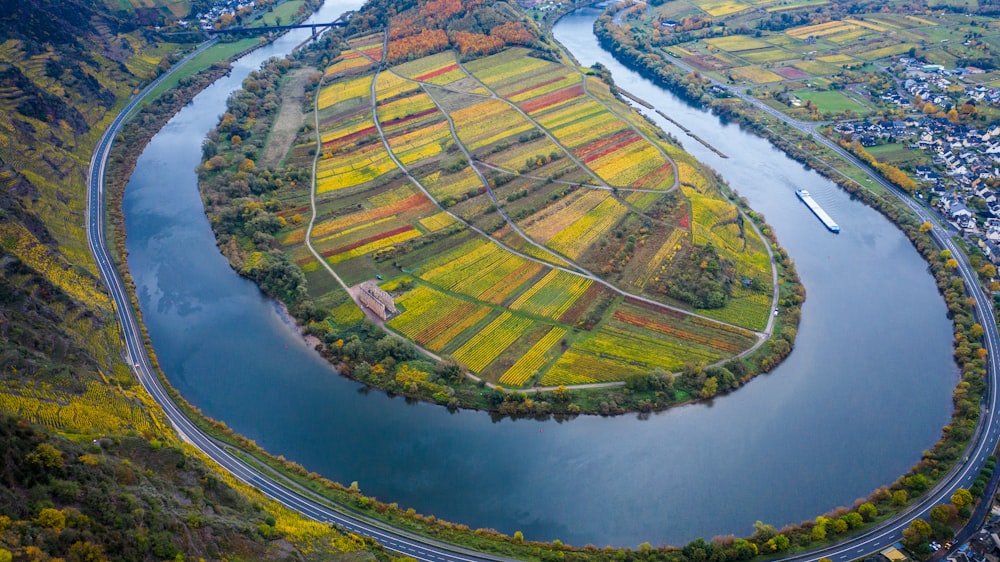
(377, 300)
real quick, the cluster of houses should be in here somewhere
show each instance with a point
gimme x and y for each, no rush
(984, 545)
(223, 7)
(962, 168)
(932, 81)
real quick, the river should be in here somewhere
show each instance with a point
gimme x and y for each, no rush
(865, 392)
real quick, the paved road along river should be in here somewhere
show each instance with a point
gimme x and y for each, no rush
(865, 392)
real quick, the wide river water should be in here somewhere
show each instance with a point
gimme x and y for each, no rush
(865, 392)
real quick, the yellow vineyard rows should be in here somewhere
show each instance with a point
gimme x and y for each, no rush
(424, 65)
(487, 122)
(349, 60)
(631, 165)
(97, 410)
(558, 78)
(642, 200)
(550, 221)
(437, 221)
(373, 246)
(348, 235)
(454, 330)
(533, 360)
(425, 142)
(423, 306)
(23, 244)
(390, 85)
(487, 345)
(574, 241)
(504, 66)
(343, 90)
(404, 107)
(553, 295)
(355, 168)
(565, 116)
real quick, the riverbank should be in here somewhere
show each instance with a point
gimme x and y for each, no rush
(968, 350)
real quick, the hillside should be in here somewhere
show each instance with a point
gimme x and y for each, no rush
(133, 492)
(127, 498)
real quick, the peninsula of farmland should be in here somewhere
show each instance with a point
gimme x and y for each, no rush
(532, 230)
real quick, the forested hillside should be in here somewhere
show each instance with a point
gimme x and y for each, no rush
(133, 492)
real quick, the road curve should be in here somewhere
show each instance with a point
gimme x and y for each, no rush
(421, 548)
(400, 541)
(985, 439)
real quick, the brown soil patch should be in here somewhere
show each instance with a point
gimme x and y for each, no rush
(289, 120)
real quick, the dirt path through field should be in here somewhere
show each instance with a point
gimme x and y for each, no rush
(289, 119)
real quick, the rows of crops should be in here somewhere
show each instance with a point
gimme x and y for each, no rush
(503, 308)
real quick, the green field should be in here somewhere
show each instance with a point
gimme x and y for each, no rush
(831, 101)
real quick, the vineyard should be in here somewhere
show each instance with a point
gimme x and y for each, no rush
(521, 300)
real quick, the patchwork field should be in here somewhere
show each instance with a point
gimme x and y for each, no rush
(517, 213)
(813, 48)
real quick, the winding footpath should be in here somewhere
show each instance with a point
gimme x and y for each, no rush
(426, 549)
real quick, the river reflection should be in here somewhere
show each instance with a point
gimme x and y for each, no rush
(866, 390)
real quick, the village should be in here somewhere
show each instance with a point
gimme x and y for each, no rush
(961, 172)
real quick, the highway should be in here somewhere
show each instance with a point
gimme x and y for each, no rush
(987, 432)
(426, 549)
(399, 541)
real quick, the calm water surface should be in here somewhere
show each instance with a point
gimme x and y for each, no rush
(866, 390)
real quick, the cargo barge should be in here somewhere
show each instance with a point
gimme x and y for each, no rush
(817, 210)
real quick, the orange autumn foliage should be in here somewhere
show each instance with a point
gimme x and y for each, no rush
(424, 43)
(513, 33)
(476, 43)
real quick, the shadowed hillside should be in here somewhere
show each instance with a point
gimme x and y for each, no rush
(101, 476)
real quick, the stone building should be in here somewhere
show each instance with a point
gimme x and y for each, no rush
(377, 300)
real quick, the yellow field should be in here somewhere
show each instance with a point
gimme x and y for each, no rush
(848, 36)
(755, 74)
(425, 142)
(389, 85)
(814, 68)
(352, 169)
(348, 60)
(533, 360)
(404, 107)
(869, 25)
(815, 30)
(889, 51)
(487, 345)
(38, 257)
(444, 186)
(920, 20)
(487, 122)
(838, 58)
(553, 295)
(552, 220)
(373, 246)
(437, 221)
(343, 90)
(736, 43)
(717, 8)
(572, 242)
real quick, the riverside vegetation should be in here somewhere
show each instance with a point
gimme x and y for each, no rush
(630, 48)
(487, 189)
(91, 469)
(261, 247)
